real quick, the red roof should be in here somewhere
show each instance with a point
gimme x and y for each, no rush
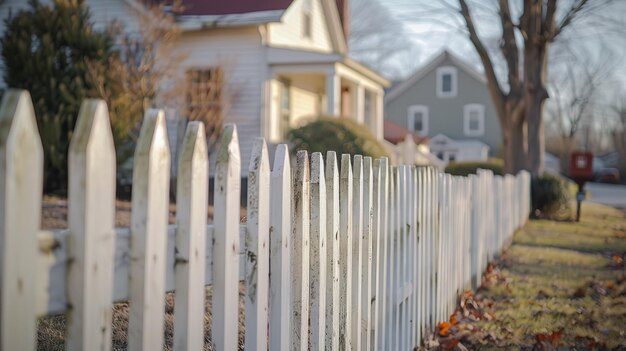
(227, 7)
(395, 133)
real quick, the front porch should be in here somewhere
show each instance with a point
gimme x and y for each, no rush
(300, 91)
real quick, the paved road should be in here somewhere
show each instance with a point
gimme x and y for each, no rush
(607, 194)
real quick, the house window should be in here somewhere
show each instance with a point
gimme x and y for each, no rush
(307, 21)
(474, 120)
(203, 96)
(285, 108)
(446, 82)
(417, 119)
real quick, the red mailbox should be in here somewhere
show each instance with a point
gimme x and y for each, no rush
(581, 166)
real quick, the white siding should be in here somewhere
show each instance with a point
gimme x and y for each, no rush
(304, 105)
(288, 33)
(241, 56)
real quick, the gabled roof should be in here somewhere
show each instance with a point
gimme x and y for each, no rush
(396, 91)
(218, 7)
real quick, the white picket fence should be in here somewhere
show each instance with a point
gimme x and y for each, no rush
(335, 254)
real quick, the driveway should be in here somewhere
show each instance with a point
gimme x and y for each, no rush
(607, 194)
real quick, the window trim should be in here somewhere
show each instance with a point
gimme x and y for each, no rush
(411, 119)
(467, 110)
(452, 71)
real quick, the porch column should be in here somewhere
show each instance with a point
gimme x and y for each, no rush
(379, 114)
(333, 94)
(359, 104)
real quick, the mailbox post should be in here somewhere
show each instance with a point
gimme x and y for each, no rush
(581, 171)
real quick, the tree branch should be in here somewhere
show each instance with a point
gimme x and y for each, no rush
(552, 29)
(509, 48)
(492, 81)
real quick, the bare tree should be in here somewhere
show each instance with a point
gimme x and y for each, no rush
(526, 31)
(575, 88)
(379, 40)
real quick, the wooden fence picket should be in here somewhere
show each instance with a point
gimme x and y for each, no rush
(351, 256)
(92, 229)
(357, 239)
(300, 254)
(332, 251)
(226, 242)
(345, 254)
(317, 253)
(280, 251)
(192, 197)
(382, 294)
(366, 252)
(257, 249)
(21, 181)
(149, 220)
(376, 293)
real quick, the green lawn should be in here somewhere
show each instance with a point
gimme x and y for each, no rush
(559, 279)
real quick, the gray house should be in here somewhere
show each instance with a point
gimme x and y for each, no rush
(447, 97)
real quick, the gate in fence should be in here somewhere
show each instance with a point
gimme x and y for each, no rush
(334, 254)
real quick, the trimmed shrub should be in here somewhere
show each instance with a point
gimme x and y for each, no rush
(341, 135)
(465, 168)
(550, 197)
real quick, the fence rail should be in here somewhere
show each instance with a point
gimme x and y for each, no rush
(337, 254)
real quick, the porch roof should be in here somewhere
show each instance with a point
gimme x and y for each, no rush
(294, 57)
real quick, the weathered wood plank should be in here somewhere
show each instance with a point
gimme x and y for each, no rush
(192, 197)
(357, 256)
(257, 248)
(21, 180)
(280, 250)
(383, 320)
(332, 252)
(317, 253)
(300, 254)
(366, 252)
(226, 242)
(91, 228)
(150, 206)
(345, 255)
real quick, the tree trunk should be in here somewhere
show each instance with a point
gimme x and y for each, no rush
(513, 146)
(536, 139)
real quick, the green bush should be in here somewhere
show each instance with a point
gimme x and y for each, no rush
(341, 135)
(53, 52)
(550, 196)
(465, 168)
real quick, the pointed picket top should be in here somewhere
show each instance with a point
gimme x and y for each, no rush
(21, 180)
(280, 250)
(299, 256)
(191, 208)
(226, 243)
(332, 251)
(149, 220)
(228, 156)
(92, 224)
(257, 248)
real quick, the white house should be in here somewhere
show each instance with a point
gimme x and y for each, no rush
(282, 61)
(448, 150)
(447, 100)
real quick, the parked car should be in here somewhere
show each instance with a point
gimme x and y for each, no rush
(607, 175)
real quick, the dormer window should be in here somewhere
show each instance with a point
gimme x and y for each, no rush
(307, 19)
(446, 82)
